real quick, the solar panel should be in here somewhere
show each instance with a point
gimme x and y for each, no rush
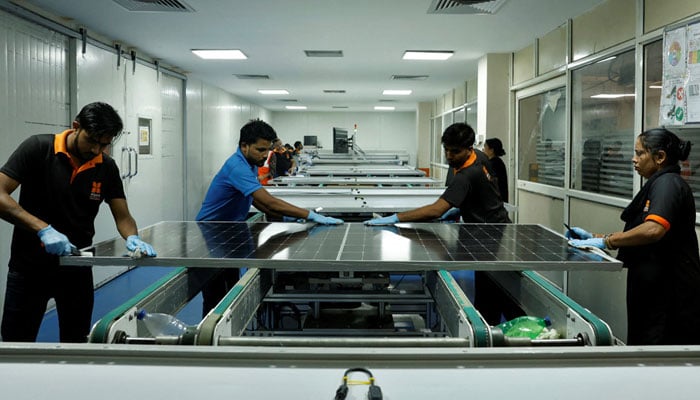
(352, 246)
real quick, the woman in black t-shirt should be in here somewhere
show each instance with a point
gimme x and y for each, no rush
(493, 148)
(658, 246)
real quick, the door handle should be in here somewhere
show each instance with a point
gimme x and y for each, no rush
(128, 173)
(136, 162)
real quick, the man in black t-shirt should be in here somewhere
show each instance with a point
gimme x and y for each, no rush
(64, 178)
(474, 192)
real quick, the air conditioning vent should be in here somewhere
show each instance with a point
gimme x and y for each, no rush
(155, 5)
(288, 100)
(338, 107)
(332, 91)
(387, 100)
(409, 77)
(252, 76)
(323, 53)
(465, 6)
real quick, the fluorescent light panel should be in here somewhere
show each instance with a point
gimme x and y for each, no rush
(396, 92)
(272, 91)
(295, 107)
(384, 108)
(427, 55)
(612, 96)
(220, 54)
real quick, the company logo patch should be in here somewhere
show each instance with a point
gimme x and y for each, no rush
(96, 192)
(646, 206)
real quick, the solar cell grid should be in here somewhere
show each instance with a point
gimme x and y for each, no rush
(417, 246)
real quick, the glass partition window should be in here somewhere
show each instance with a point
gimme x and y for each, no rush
(459, 116)
(653, 66)
(436, 146)
(471, 115)
(603, 126)
(542, 137)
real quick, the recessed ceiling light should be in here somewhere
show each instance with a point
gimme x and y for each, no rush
(295, 107)
(384, 108)
(220, 54)
(272, 91)
(655, 87)
(427, 55)
(397, 92)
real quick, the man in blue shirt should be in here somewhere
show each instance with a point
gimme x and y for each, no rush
(235, 187)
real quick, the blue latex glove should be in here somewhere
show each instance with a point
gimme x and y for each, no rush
(592, 242)
(451, 215)
(55, 242)
(322, 219)
(390, 220)
(291, 219)
(138, 247)
(582, 233)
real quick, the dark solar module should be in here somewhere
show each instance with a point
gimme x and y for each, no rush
(353, 246)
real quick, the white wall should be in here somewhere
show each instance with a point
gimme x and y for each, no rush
(214, 121)
(375, 130)
(40, 93)
(137, 93)
(34, 97)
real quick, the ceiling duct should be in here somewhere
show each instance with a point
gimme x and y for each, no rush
(324, 53)
(465, 6)
(252, 76)
(409, 77)
(155, 5)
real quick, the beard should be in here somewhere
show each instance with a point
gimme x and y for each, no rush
(454, 164)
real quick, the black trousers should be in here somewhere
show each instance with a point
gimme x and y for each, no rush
(217, 287)
(27, 295)
(491, 301)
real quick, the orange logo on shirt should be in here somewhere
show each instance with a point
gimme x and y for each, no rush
(96, 193)
(646, 206)
(486, 172)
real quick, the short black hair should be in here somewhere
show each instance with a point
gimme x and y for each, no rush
(297, 144)
(100, 120)
(459, 135)
(254, 130)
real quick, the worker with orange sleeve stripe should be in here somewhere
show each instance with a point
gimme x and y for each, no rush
(658, 246)
(64, 179)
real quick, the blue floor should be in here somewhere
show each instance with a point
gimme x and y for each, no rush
(127, 285)
(118, 291)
